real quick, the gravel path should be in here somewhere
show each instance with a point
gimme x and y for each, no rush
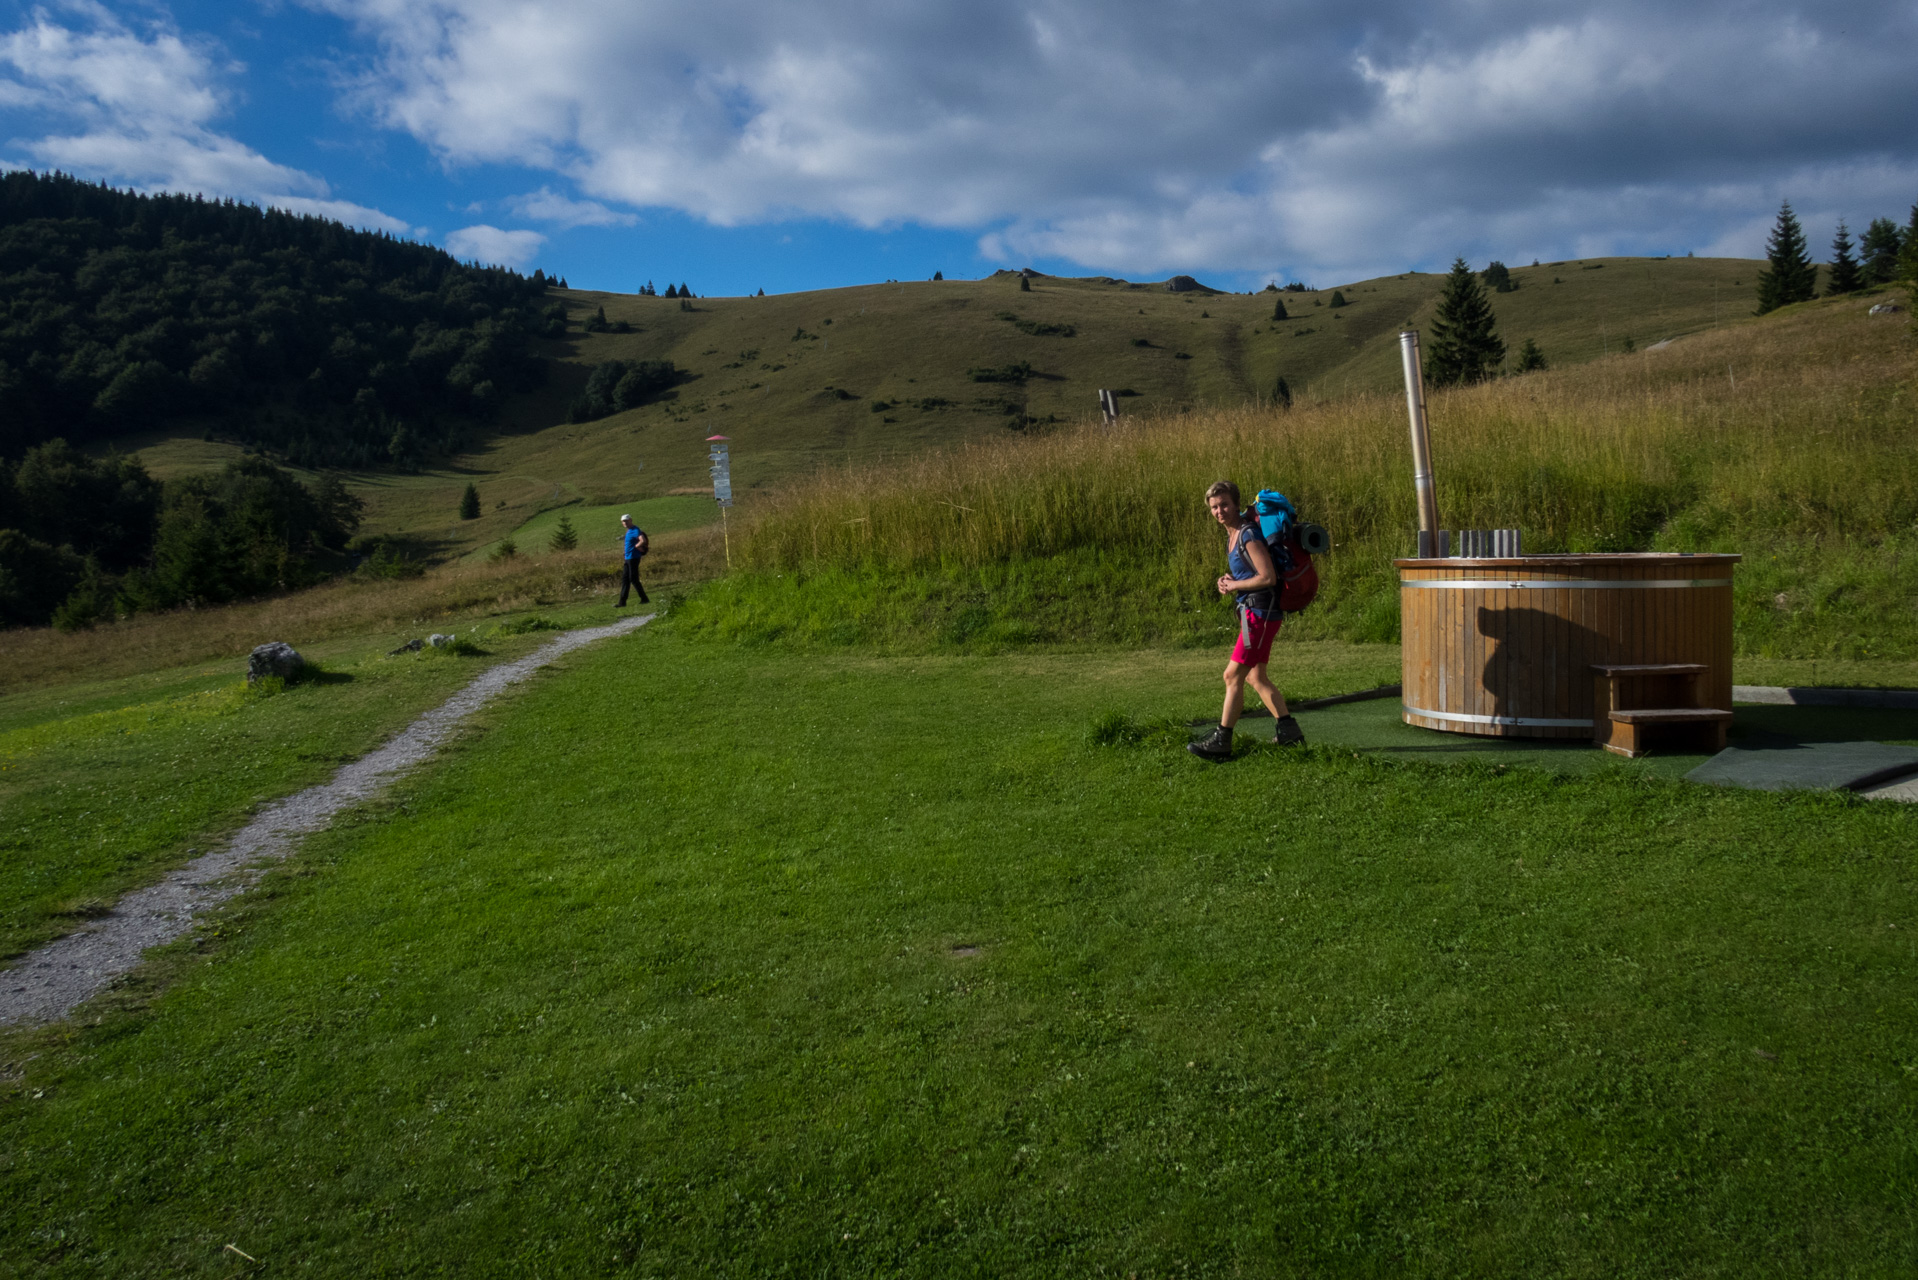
(48, 983)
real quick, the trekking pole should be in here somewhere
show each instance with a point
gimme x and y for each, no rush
(726, 533)
(1429, 542)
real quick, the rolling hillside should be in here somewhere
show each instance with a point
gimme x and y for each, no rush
(805, 380)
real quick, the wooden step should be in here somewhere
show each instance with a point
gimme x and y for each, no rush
(1655, 669)
(1670, 715)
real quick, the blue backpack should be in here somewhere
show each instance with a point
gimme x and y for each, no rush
(1291, 542)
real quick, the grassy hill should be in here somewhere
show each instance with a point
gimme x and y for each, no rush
(1785, 438)
(797, 380)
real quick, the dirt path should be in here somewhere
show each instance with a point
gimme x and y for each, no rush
(49, 983)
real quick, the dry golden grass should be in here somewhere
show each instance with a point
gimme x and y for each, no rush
(1803, 420)
(154, 642)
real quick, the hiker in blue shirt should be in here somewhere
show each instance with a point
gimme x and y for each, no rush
(636, 548)
(1253, 577)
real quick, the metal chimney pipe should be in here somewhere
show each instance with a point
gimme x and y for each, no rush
(1421, 435)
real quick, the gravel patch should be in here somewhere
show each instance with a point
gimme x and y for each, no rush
(49, 983)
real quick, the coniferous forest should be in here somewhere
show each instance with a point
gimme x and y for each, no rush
(323, 345)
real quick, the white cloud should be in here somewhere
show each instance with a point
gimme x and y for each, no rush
(138, 108)
(353, 215)
(1133, 136)
(486, 244)
(546, 205)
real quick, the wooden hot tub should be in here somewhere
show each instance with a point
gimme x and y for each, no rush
(1505, 647)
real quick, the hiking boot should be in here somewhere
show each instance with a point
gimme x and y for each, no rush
(1288, 733)
(1216, 745)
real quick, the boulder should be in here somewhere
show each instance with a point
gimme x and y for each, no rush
(276, 658)
(1885, 309)
(439, 641)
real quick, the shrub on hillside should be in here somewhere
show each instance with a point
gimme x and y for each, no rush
(245, 531)
(618, 385)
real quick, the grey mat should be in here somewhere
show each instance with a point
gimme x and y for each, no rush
(1813, 766)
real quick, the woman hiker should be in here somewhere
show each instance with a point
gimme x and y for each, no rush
(1250, 574)
(629, 571)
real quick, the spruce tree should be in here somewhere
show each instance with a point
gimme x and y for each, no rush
(469, 503)
(1530, 358)
(1338, 298)
(1793, 277)
(1278, 309)
(1879, 248)
(1908, 265)
(1844, 276)
(1465, 344)
(1283, 393)
(672, 291)
(565, 537)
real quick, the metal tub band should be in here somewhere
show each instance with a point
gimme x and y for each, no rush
(1531, 722)
(1562, 584)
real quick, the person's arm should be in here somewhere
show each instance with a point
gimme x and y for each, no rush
(1266, 574)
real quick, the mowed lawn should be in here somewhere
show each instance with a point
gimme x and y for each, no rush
(705, 960)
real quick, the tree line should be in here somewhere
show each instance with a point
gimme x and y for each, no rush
(1466, 348)
(84, 538)
(298, 335)
(1887, 253)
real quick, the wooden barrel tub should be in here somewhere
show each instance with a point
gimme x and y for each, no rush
(1505, 647)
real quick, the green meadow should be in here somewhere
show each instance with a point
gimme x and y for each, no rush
(694, 963)
(864, 915)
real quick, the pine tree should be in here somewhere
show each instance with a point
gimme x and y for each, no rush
(1283, 393)
(1793, 276)
(1465, 344)
(1844, 276)
(1499, 277)
(672, 291)
(1278, 309)
(938, 275)
(1338, 298)
(1530, 358)
(1879, 248)
(1908, 265)
(565, 537)
(469, 503)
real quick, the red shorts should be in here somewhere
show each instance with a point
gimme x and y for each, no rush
(1257, 631)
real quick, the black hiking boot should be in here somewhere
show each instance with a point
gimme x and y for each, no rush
(1216, 745)
(1288, 734)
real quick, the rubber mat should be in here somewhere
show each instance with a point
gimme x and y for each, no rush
(1784, 765)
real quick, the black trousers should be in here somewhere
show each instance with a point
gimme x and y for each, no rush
(629, 581)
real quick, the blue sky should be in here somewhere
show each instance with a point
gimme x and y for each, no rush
(740, 144)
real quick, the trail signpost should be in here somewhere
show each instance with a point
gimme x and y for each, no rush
(722, 489)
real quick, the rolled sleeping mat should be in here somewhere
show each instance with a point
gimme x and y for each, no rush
(1314, 540)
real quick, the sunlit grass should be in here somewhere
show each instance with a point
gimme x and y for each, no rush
(1788, 441)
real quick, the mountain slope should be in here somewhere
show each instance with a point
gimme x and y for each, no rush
(814, 379)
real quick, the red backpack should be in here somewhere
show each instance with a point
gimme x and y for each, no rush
(1285, 535)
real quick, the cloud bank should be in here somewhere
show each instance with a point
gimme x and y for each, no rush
(1138, 136)
(139, 108)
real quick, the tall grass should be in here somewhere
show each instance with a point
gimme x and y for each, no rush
(1788, 440)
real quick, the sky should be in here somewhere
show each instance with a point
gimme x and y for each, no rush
(735, 145)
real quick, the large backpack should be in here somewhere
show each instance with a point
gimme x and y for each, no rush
(1287, 537)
